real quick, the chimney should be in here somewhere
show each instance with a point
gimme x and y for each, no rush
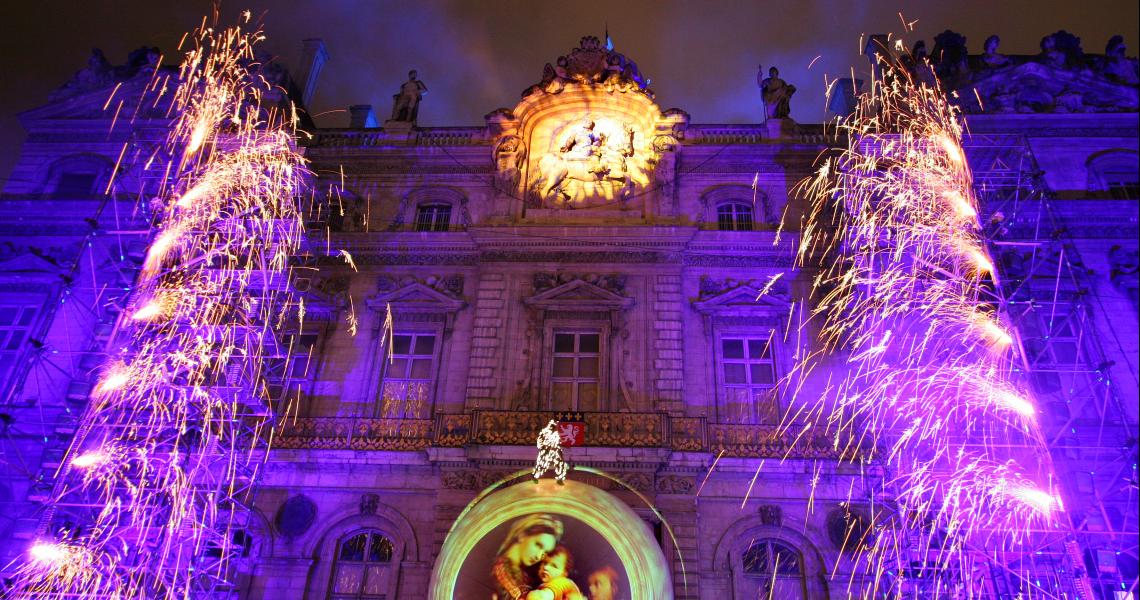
(313, 57)
(360, 116)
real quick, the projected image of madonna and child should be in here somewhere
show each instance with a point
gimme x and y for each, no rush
(542, 556)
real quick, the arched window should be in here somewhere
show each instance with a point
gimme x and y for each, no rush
(1114, 174)
(364, 568)
(78, 177)
(734, 216)
(433, 217)
(775, 568)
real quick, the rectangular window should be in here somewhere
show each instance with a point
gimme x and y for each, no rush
(734, 217)
(748, 379)
(409, 376)
(75, 185)
(433, 217)
(15, 326)
(575, 374)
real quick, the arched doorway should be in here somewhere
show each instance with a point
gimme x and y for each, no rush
(608, 544)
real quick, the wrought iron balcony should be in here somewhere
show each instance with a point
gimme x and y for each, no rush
(520, 428)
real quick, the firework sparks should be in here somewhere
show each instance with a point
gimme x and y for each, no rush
(170, 450)
(906, 299)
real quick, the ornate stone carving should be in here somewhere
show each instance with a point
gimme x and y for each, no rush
(451, 285)
(710, 286)
(675, 484)
(614, 282)
(471, 479)
(1061, 78)
(369, 503)
(770, 515)
(586, 155)
(849, 529)
(591, 63)
(642, 482)
(510, 154)
(1124, 265)
(100, 74)
(347, 211)
(331, 289)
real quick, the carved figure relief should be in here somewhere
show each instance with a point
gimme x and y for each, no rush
(591, 160)
(510, 154)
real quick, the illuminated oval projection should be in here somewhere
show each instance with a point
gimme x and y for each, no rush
(508, 538)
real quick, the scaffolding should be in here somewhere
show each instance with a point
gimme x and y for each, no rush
(1048, 296)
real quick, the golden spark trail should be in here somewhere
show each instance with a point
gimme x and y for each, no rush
(925, 384)
(169, 448)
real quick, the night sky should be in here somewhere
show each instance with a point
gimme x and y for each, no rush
(478, 56)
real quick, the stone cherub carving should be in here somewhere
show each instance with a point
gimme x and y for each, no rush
(776, 93)
(407, 103)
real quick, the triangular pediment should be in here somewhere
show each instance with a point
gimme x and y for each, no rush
(744, 299)
(27, 262)
(1037, 87)
(578, 295)
(415, 297)
(90, 105)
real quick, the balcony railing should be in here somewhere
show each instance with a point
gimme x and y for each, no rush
(520, 428)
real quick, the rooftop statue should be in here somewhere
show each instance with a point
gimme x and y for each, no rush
(991, 58)
(776, 92)
(98, 74)
(1116, 65)
(1060, 78)
(407, 103)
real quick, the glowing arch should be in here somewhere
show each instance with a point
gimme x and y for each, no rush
(640, 554)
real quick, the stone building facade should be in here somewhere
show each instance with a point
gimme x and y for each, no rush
(591, 256)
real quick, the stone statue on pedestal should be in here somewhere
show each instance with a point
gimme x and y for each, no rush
(776, 92)
(407, 102)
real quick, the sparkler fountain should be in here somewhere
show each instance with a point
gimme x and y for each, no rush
(152, 496)
(907, 298)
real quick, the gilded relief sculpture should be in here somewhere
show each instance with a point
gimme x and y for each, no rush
(588, 156)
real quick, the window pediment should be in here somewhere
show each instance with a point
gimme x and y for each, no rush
(415, 297)
(578, 295)
(742, 301)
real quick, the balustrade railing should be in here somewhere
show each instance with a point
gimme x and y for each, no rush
(520, 428)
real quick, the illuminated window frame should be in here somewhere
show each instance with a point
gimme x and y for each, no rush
(407, 386)
(735, 216)
(763, 405)
(377, 558)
